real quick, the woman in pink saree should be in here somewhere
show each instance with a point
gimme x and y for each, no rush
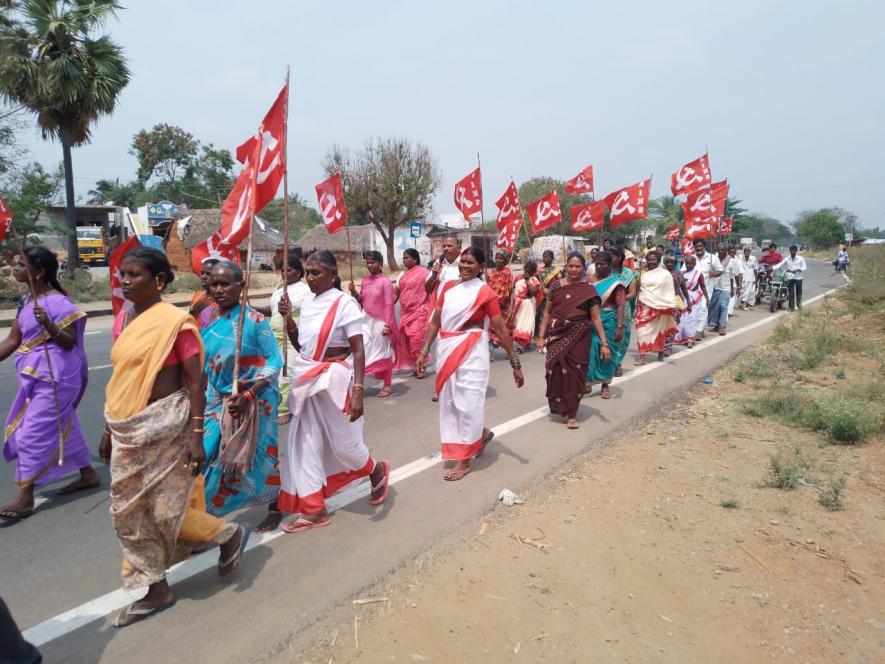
(413, 310)
(380, 332)
(464, 312)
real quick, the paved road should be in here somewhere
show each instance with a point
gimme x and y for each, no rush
(66, 554)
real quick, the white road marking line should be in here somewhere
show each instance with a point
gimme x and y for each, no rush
(97, 609)
(86, 334)
(101, 366)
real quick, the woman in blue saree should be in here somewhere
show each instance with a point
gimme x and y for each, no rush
(630, 279)
(612, 311)
(240, 434)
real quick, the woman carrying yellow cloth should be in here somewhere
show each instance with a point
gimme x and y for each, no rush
(153, 443)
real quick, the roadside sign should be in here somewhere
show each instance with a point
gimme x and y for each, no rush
(415, 229)
(849, 237)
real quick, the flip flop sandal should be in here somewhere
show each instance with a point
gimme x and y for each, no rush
(229, 566)
(301, 524)
(384, 393)
(131, 615)
(384, 483)
(572, 425)
(283, 420)
(451, 475)
(15, 515)
(485, 443)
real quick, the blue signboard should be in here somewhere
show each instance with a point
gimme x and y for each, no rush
(164, 211)
(415, 229)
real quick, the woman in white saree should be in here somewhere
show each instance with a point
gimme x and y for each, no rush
(464, 312)
(325, 450)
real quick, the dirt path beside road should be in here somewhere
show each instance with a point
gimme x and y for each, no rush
(670, 545)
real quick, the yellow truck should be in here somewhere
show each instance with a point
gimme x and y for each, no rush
(91, 245)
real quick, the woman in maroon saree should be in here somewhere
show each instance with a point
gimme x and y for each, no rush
(572, 307)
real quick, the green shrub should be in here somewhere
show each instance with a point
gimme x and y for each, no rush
(785, 406)
(844, 421)
(788, 468)
(730, 503)
(831, 497)
(83, 288)
(758, 365)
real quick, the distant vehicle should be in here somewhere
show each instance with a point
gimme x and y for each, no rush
(91, 245)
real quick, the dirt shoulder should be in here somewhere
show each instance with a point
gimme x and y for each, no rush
(672, 544)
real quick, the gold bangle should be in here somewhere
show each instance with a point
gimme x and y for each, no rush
(197, 417)
(198, 431)
(358, 386)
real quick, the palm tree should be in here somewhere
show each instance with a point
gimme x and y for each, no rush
(666, 212)
(52, 65)
(111, 192)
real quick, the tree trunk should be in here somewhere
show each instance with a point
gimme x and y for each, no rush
(392, 263)
(70, 211)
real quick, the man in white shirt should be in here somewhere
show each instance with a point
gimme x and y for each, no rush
(749, 267)
(703, 265)
(722, 273)
(795, 267)
(444, 268)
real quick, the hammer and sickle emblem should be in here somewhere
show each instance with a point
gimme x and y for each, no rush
(687, 176)
(622, 204)
(329, 205)
(268, 144)
(703, 203)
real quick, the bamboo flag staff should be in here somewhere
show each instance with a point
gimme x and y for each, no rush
(482, 218)
(61, 437)
(285, 216)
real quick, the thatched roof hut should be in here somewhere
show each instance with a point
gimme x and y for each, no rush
(205, 222)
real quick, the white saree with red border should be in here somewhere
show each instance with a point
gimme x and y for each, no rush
(324, 450)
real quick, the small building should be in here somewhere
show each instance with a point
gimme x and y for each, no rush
(468, 237)
(186, 233)
(363, 238)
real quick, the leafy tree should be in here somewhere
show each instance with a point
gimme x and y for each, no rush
(165, 152)
(389, 183)
(51, 64)
(535, 188)
(822, 228)
(301, 217)
(666, 212)
(112, 192)
(28, 191)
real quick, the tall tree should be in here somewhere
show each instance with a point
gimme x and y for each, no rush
(165, 153)
(113, 192)
(822, 228)
(301, 217)
(389, 183)
(52, 63)
(666, 212)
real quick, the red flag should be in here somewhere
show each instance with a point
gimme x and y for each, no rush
(544, 212)
(673, 233)
(699, 204)
(213, 247)
(239, 206)
(468, 193)
(330, 196)
(271, 159)
(694, 175)
(582, 183)
(507, 236)
(726, 225)
(118, 300)
(588, 217)
(5, 219)
(628, 203)
(687, 246)
(718, 197)
(508, 207)
(698, 227)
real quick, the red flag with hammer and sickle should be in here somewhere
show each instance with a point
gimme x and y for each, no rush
(687, 246)
(271, 160)
(5, 219)
(239, 206)
(330, 196)
(698, 227)
(673, 233)
(694, 175)
(718, 197)
(628, 203)
(507, 236)
(468, 194)
(544, 212)
(213, 246)
(726, 226)
(582, 183)
(118, 300)
(588, 217)
(508, 208)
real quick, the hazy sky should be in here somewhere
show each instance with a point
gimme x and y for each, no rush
(787, 96)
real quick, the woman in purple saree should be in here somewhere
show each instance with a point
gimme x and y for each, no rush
(47, 321)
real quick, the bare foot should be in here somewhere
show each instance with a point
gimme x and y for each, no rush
(639, 362)
(572, 423)
(619, 371)
(270, 523)
(88, 480)
(606, 393)
(284, 419)
(385, 392)
(461, 469)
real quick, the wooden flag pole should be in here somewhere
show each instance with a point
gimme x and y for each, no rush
(349, 250)
(482, 218)
(286, 217)
(61, 438)
(244, 299)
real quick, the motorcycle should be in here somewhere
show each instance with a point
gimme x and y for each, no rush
(779, 292)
